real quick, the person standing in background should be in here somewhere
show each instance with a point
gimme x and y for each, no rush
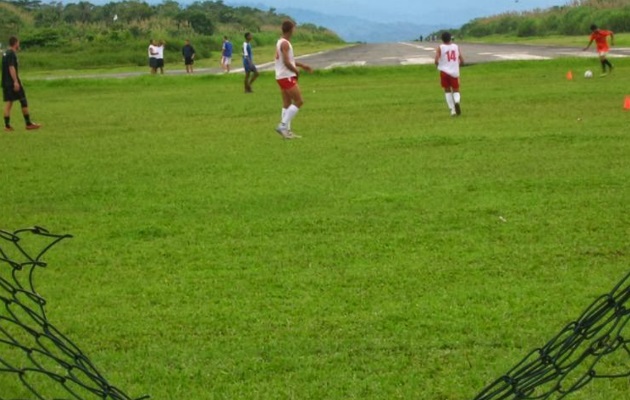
(226, 54)
(160, 56)
(152, 53)
(12, 89)
(251, 72)
(188, 52)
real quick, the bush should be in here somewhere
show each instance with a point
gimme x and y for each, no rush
(527, 27)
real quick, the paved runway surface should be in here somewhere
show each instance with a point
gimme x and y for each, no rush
(410, 53)
(404, 53)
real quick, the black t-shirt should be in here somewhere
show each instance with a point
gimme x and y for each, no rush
(188, 51)
(9, 58)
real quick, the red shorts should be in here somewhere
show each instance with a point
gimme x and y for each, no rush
(448, 81)
(287, 83)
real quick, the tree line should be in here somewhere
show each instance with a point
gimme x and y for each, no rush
(84, 31)
(571, 19)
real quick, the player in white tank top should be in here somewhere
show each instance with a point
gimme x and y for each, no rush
(282, 71)
(448, 59)
(287, 73)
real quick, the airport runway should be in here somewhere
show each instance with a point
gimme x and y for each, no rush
(418, 53)
(401, 53)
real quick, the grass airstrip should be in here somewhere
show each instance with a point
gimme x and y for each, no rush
(393, 252)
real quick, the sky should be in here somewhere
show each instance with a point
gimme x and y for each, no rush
(451, 13)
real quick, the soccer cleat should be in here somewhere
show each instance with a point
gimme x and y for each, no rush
(284, 132)
(33, 126)
(8, 128)
(458, 109)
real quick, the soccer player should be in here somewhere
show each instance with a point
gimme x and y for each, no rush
(226, 54)
(188, 52)
(287, 73)
(12, 89)
(599, 36)
(448, 59)
(251, 72)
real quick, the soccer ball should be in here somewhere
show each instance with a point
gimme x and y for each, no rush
(588, 74)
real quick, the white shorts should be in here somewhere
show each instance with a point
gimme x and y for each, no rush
(603, 53)
(226, 60)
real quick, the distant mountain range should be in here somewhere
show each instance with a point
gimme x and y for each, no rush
(353, 29)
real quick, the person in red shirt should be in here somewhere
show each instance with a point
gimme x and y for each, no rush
(599, 36)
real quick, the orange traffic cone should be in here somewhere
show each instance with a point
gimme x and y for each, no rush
(570, 75)
(626, 103)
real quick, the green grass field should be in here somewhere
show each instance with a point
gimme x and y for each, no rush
(391, 253)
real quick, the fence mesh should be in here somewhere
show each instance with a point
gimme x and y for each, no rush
(595, 346)
(36, 359)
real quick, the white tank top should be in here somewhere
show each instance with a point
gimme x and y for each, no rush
(449, 59)
(282, 71)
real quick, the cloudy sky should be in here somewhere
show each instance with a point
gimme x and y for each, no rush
(452, 12)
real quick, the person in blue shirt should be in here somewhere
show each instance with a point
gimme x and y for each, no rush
(251, 72)
(226, 54)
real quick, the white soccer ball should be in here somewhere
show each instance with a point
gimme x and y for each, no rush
(588, 74)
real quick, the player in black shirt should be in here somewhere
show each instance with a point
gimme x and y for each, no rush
(12, 89)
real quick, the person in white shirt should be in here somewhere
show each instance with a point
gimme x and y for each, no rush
(152, 53)
(287, 74)
(448, 59)
(160, 56)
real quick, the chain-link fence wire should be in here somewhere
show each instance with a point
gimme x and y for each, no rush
(595, 346)
(36, 359)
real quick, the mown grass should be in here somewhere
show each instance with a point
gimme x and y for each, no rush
(33, 63)
(392, 252)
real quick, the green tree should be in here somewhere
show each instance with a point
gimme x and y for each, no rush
(168, 8)
(200, 23)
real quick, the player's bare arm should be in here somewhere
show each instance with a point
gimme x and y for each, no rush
(16, 82)
(588, 45)
(304, 67)
(438, 54)
(284, 49)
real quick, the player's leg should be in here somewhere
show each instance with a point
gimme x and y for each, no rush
(30, 125)
(294, 104)
(610, 66)
(448, 94)
(7, 116)
(254, 76)
(247, 87)
(450, 101)
(605, 63)
(283, 127)
(456, 96)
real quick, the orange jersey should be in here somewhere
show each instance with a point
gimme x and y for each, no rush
(599, 36)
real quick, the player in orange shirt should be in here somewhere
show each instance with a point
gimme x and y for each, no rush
(599, 37)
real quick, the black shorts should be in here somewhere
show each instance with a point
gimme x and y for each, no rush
(153, 62)
(188, 61)
(160, 62)
(8, 94)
